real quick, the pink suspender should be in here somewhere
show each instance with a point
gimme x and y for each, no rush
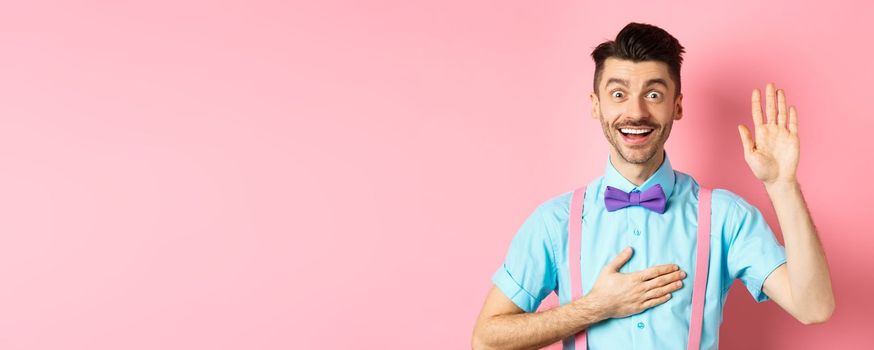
(575, 235)
(702, 262)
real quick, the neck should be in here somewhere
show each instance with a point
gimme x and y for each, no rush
(636, 173)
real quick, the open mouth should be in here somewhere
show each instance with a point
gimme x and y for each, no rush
(636, 135)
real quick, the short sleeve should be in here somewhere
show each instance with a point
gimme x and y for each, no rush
(753, 251)
(528, 273)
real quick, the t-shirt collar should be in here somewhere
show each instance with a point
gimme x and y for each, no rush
(663, 176)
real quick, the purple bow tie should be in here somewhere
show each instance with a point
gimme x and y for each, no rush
(652, 199)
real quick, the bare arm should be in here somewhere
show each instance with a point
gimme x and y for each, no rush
(802, 286)
(503, 325)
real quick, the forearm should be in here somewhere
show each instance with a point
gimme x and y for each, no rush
(537, 329)
(805, 258)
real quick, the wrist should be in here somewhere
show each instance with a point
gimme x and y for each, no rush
(592, 308)
(781, 186)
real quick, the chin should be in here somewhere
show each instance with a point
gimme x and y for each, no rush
(638, 156)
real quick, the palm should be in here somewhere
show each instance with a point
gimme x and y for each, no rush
(773, 152)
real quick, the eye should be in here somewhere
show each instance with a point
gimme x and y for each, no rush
(654, 95)
(617, 94)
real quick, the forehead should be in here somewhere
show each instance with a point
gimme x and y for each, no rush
(636, 73)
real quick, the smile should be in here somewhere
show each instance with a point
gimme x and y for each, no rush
(635, 136)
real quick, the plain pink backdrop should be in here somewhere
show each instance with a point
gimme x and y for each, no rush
(349, 174)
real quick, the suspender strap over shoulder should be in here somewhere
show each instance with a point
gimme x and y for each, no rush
(702, 262)
(575, 236)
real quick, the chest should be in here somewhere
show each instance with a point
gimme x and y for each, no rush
(656, 239)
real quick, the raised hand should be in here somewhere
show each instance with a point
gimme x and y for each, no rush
(774, 151)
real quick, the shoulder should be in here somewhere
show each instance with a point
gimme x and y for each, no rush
(720, 198)
(555, 209)
(732, 202)
(730, 206)
(553, 213)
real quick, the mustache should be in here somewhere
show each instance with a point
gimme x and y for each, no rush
(637, 124)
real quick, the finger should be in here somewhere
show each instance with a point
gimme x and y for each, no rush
(793, 120)
(746, 138)
(781, 108)
(656, 271)
(757, 107)
(664, 280)
(620, 260)
(770, 104)
(657, 301)
(668, 289)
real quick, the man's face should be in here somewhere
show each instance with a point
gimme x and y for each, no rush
(637, 106)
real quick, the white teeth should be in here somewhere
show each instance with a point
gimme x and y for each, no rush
(635, 131)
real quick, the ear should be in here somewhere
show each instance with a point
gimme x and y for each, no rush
(678, 107)
(595, 104)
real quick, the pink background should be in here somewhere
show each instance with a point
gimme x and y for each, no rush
(349, 174)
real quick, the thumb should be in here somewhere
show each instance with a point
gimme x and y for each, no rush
(620, 260)
(746, 138)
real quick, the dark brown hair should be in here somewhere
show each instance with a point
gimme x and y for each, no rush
(641, 42)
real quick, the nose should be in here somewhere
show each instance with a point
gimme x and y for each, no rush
(636, 108)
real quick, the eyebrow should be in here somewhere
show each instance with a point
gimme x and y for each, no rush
(657, 81)
(650, 82)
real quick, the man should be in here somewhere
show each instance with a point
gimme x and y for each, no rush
(635, 259)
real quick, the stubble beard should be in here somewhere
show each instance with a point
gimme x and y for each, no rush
(637, 155)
